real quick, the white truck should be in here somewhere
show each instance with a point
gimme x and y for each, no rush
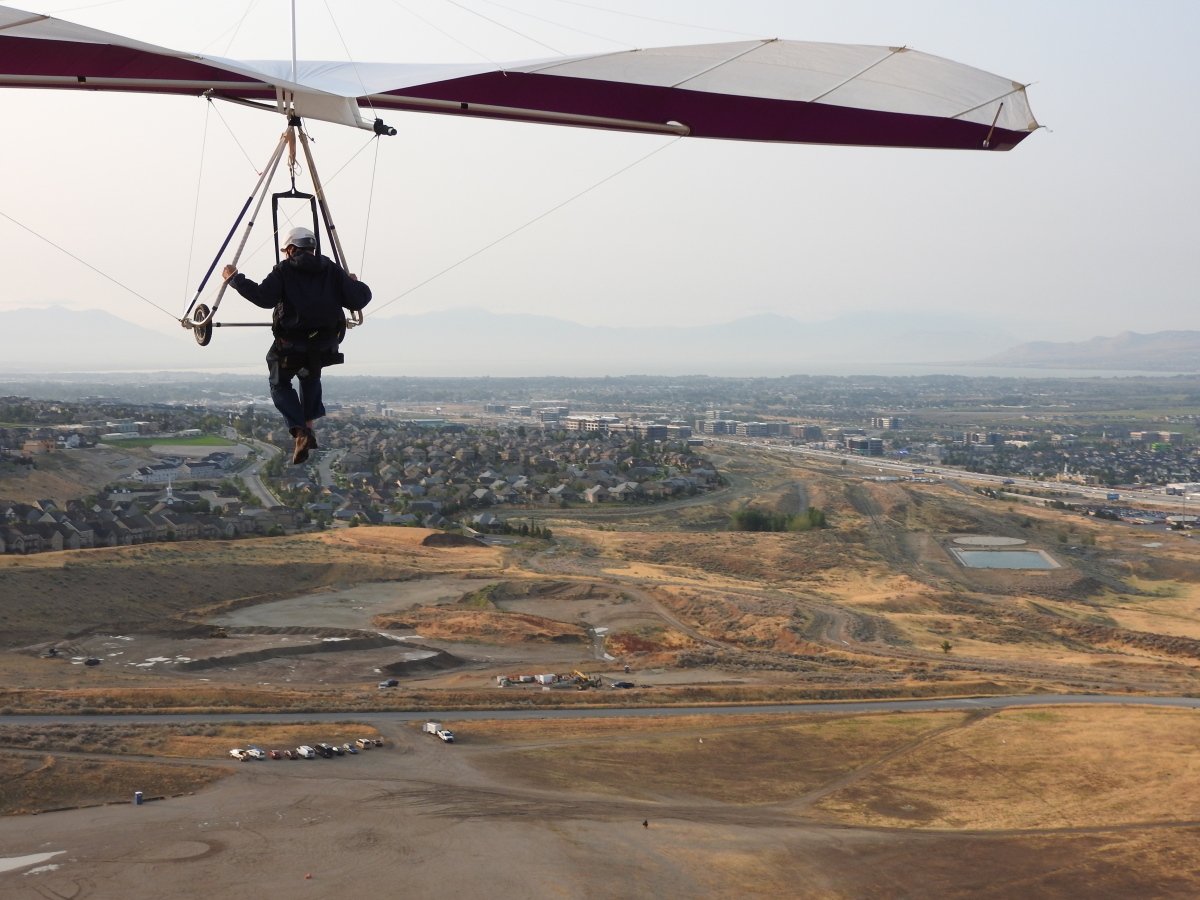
(436, 728)
(306, 752)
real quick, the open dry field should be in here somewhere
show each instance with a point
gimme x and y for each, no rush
(1038, 804)
(1059, 802)
(874, 605)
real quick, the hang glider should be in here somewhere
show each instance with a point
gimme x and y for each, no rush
(762, 90)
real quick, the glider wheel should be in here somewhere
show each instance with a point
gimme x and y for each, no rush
(203, 332)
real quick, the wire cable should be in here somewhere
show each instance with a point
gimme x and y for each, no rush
(55, 12)
(104, 275)
(187, 275)
(235, 137)
(235, 28)
(520, 228)
(447, 34)
(362, 263)
(521, 12)
(505, 27)
(353, 64)
(617, 12)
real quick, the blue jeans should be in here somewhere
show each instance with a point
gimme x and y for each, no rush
(298, 409)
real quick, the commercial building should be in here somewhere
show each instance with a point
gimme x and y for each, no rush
(887, 423)
(806, 432)
(865, 446)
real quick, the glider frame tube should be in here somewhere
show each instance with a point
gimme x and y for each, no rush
(541, 115)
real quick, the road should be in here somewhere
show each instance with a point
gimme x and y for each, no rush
(853, 706)
(326, 459)
(254, 484)
(906, 468)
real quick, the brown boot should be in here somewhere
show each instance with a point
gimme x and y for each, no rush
(301, 452)
(311, 441)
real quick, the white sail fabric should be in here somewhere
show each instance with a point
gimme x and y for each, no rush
(748, 81)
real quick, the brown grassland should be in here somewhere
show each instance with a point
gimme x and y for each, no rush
(30, 784)
(1031, 768)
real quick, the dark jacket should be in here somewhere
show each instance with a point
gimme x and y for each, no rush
(307, 292)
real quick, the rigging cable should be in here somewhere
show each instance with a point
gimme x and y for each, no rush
(187, 275)
(617, 12)
(445, 33)
(353, 64)
(362, 263)
(123, 287)
(234, 136)
(505, 27)
(520, 228)
(235, 28)
(561, 25)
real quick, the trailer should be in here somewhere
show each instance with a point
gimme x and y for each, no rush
(435, 728)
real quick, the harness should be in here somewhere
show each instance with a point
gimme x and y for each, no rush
(312, 350)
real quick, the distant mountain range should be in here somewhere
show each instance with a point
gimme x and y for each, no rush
(1163, 351)
(477, 342)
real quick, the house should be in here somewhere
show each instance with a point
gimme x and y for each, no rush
(562, 492)
(627, 491)
(487, 522)
(597, 493)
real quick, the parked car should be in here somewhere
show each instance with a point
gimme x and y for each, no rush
(364, 743)
(378, 742)
(306, 752)
(350, 748)
(274, 754)
(255, 753)
(623, 684)
(390, 682)
(291, 754)
(338, 750)
(324, 749)
(239, 754)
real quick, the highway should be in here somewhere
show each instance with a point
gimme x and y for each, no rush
(826, 708)
(898, 467)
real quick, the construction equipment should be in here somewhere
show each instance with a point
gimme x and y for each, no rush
(587, 681)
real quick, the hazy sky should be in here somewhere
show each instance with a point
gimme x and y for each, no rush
(1088, 227)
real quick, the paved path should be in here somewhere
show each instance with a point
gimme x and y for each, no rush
(853, 706)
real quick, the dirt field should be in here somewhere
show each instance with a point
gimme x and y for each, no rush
(32, 783)
(69, 473)
(754, 820)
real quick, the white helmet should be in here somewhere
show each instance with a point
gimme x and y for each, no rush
(301, 238)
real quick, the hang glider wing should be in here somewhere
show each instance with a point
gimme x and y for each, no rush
(784, 91)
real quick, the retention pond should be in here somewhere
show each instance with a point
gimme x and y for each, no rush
(1006, 559)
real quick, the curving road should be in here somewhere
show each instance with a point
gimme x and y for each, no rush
(851, 706)
(250, 477)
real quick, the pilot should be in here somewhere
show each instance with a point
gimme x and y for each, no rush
(307, 292)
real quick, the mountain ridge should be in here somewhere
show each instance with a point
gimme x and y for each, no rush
(473, 341)
(1160, 351)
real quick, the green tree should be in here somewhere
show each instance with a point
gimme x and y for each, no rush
(946, 646)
